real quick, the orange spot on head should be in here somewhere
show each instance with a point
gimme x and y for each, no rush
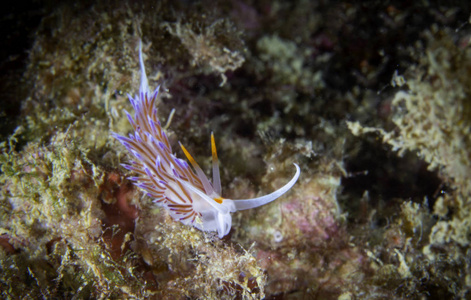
(219, 200)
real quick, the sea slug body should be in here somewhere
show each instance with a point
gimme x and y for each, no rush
(188, 195)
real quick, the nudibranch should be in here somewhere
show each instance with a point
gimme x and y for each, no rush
(188, 195)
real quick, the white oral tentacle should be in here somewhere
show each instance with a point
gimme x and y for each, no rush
(256, 202)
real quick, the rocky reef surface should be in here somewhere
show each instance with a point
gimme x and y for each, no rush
(371, 99)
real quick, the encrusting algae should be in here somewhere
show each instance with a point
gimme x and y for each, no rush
(360, 223)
